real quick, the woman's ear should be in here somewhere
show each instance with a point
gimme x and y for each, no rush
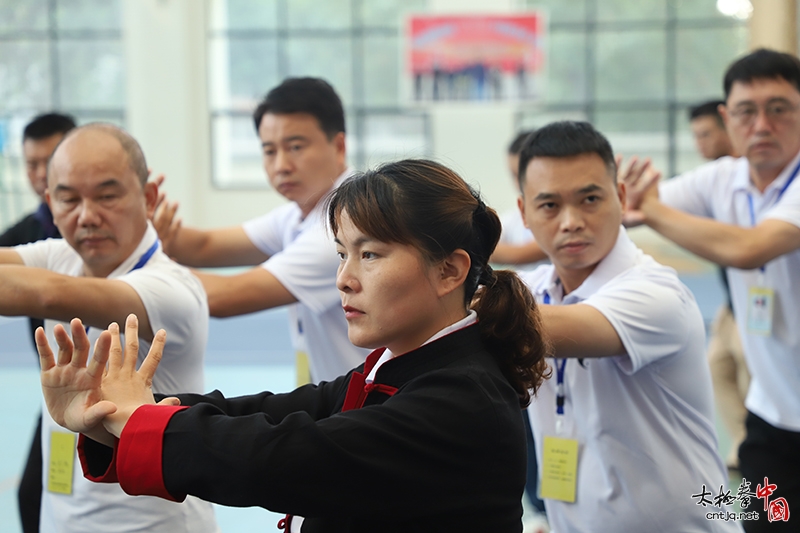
(453, 271)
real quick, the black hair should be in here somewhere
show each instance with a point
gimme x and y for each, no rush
(763, 64)
(566, 139)
(516, 145)
(707, 109)
(313, 96)
(426, 205)
(47, 125)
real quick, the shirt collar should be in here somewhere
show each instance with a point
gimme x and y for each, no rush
(621, 257)
(742, 181)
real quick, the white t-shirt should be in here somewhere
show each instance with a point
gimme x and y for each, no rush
(302, 256)
(175, 301)
(643, 421)
(720, 190)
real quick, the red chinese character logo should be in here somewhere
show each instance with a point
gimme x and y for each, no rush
(763, 493)
(778, 510)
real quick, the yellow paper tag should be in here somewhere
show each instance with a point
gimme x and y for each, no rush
(760, 305)
(303, 368)
(559, 469)
(62, 461)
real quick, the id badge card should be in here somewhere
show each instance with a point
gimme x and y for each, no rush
(760, 310)
(559, 469)
(61, 462)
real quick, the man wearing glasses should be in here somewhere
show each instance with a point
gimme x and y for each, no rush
(744, 214)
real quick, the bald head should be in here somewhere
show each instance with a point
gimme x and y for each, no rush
(96, 137)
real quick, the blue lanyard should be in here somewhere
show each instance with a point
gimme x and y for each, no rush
(141, 262)
(561, 365)
(780, 194)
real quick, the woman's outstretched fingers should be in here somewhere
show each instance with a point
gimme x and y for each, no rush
(131, 342)
(64, 345)
(46, 358)
(150, 364)
(80, 341)
(115, 349)
(97, 364)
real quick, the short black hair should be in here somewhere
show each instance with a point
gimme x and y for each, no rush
(707, 109)
(516, 145)
(313, 96)
(566, 139)
(763, 64)
(47, 125)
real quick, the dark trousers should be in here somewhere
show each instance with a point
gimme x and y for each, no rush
(772, 453)
(532, 481)
(29, 495)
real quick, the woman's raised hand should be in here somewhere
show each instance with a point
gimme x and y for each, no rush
(72, 389)
(122, 384)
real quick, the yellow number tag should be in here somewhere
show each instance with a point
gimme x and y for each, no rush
(303, 368)
(62, 461)
(559, 469)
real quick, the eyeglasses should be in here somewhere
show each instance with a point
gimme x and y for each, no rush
(774, 112)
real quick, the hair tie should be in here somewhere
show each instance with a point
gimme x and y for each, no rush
(487, 277)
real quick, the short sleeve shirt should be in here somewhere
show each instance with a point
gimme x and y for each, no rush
(643, 420)
(303, 258)
(176, 302)
(722, 190)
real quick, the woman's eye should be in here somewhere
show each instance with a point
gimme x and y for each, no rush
(368, 255)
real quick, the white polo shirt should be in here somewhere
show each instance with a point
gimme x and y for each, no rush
(643, 421)
(302, 256)
(720, 190)
(175, 301)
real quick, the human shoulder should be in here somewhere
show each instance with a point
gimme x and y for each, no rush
(652, 311)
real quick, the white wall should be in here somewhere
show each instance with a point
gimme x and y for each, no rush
(167, 109)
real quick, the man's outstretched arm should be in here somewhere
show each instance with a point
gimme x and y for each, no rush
(251, 291)
(40, 293)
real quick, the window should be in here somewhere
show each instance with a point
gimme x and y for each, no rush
(353, 44)
(633, 69)
(55, 55)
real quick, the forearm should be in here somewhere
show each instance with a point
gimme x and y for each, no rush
(724, 244)
(580, 331)
(249, 292)
(214, 248)
(40, 293)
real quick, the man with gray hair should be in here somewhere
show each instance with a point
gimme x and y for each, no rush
(108, 264)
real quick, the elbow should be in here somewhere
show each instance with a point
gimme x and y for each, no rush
(218, 307)
(747, 257)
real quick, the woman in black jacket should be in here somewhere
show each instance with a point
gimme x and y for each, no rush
(427, 435)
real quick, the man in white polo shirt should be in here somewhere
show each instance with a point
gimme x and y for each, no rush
(301, 127)
(624, 428)
(745, 214)
(108, 264)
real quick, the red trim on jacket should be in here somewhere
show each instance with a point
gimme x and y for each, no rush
(358, 388)
(109, 476)
(140, 452)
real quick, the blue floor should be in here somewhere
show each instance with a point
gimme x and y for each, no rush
(245, 355)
